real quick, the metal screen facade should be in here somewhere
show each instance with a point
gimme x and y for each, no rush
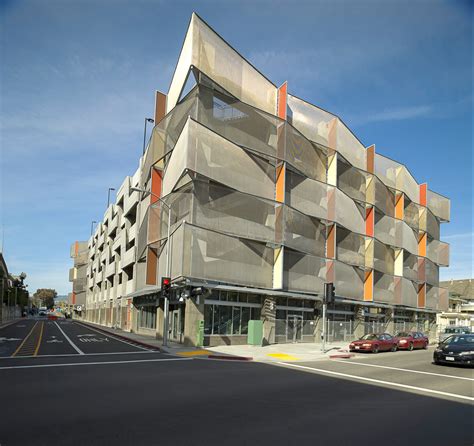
(266, 194)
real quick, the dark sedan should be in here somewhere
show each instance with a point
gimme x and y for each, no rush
(409, 340)
(457, 349)
(375, 342)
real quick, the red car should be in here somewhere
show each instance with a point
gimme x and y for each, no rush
(375, 342)
(408, 340)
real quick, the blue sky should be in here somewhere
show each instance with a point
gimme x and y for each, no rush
(78, 78)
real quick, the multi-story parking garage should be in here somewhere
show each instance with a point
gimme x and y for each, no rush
(268, 197)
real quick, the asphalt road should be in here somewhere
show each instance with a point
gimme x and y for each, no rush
(118, 394)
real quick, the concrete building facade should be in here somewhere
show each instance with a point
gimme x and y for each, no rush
(268, 197)
(77, 276)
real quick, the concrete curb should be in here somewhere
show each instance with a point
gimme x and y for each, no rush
(125, 338)
(231, 358)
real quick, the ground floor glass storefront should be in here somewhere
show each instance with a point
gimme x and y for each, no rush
(146, 317)
(294, 320)
(228, 313)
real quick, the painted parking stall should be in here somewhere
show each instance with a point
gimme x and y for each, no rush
(54, 342)
(91, 341)
(13, 335)
(415, 374)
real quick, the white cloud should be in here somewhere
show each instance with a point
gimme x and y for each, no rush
(395, 114)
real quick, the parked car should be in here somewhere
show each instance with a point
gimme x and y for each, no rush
(375, 342)
(409, 340)
(454, 329)
(457, 349)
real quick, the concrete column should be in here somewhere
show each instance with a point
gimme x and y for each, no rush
(268, 316)
(359, 322)
(160, 317)
(193, 314)
(412, 322)
(318, 321)
(390, 321)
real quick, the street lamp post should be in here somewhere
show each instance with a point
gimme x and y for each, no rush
(151, 121)
(168, 264)
(108, 196)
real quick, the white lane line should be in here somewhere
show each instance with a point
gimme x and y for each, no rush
(78, 350)
(73, 364)
(113, 337)
(378, 381)
(85, 354)
(405, 370)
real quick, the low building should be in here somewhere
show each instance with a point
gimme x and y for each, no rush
(461, 304)
(250, 199)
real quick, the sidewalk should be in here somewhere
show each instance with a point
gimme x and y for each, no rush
(284, 352)
(270, 353)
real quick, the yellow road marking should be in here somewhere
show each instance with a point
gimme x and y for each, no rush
(24, 340)
(283, 356)
(39, 339)
(194, 353)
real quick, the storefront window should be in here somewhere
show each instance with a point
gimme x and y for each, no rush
(147, 317)
(228, 319)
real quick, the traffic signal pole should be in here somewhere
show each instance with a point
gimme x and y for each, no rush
(323, 335)
(168, 273)
(329, 297)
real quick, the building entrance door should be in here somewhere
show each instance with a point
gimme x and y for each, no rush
(176, 324)
(294, 328)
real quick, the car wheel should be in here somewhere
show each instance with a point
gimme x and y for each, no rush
(394, 348)
(375, 349)
(425, 345)
(410, 347)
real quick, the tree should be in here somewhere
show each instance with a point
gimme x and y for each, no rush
(46, 296)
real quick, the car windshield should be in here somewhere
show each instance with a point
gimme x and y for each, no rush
(460, 340)
(403, 334)
(369, 337)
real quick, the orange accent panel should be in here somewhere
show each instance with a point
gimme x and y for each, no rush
(160, 106)
(421, 269)
(422, 246)
(74, 297)
(282, 95)
(399, 206)
(156, 183)
(279, 223)
(332, 133)
(423, 189)
(331, 243)
(369, 286)
(369, 222)
(76, 248)
(422, 296)
(330, 276)
(280, 183)
(371, 158)
(151, 266)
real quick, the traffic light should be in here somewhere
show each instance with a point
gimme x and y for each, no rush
(329, 293)
(165, 286)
